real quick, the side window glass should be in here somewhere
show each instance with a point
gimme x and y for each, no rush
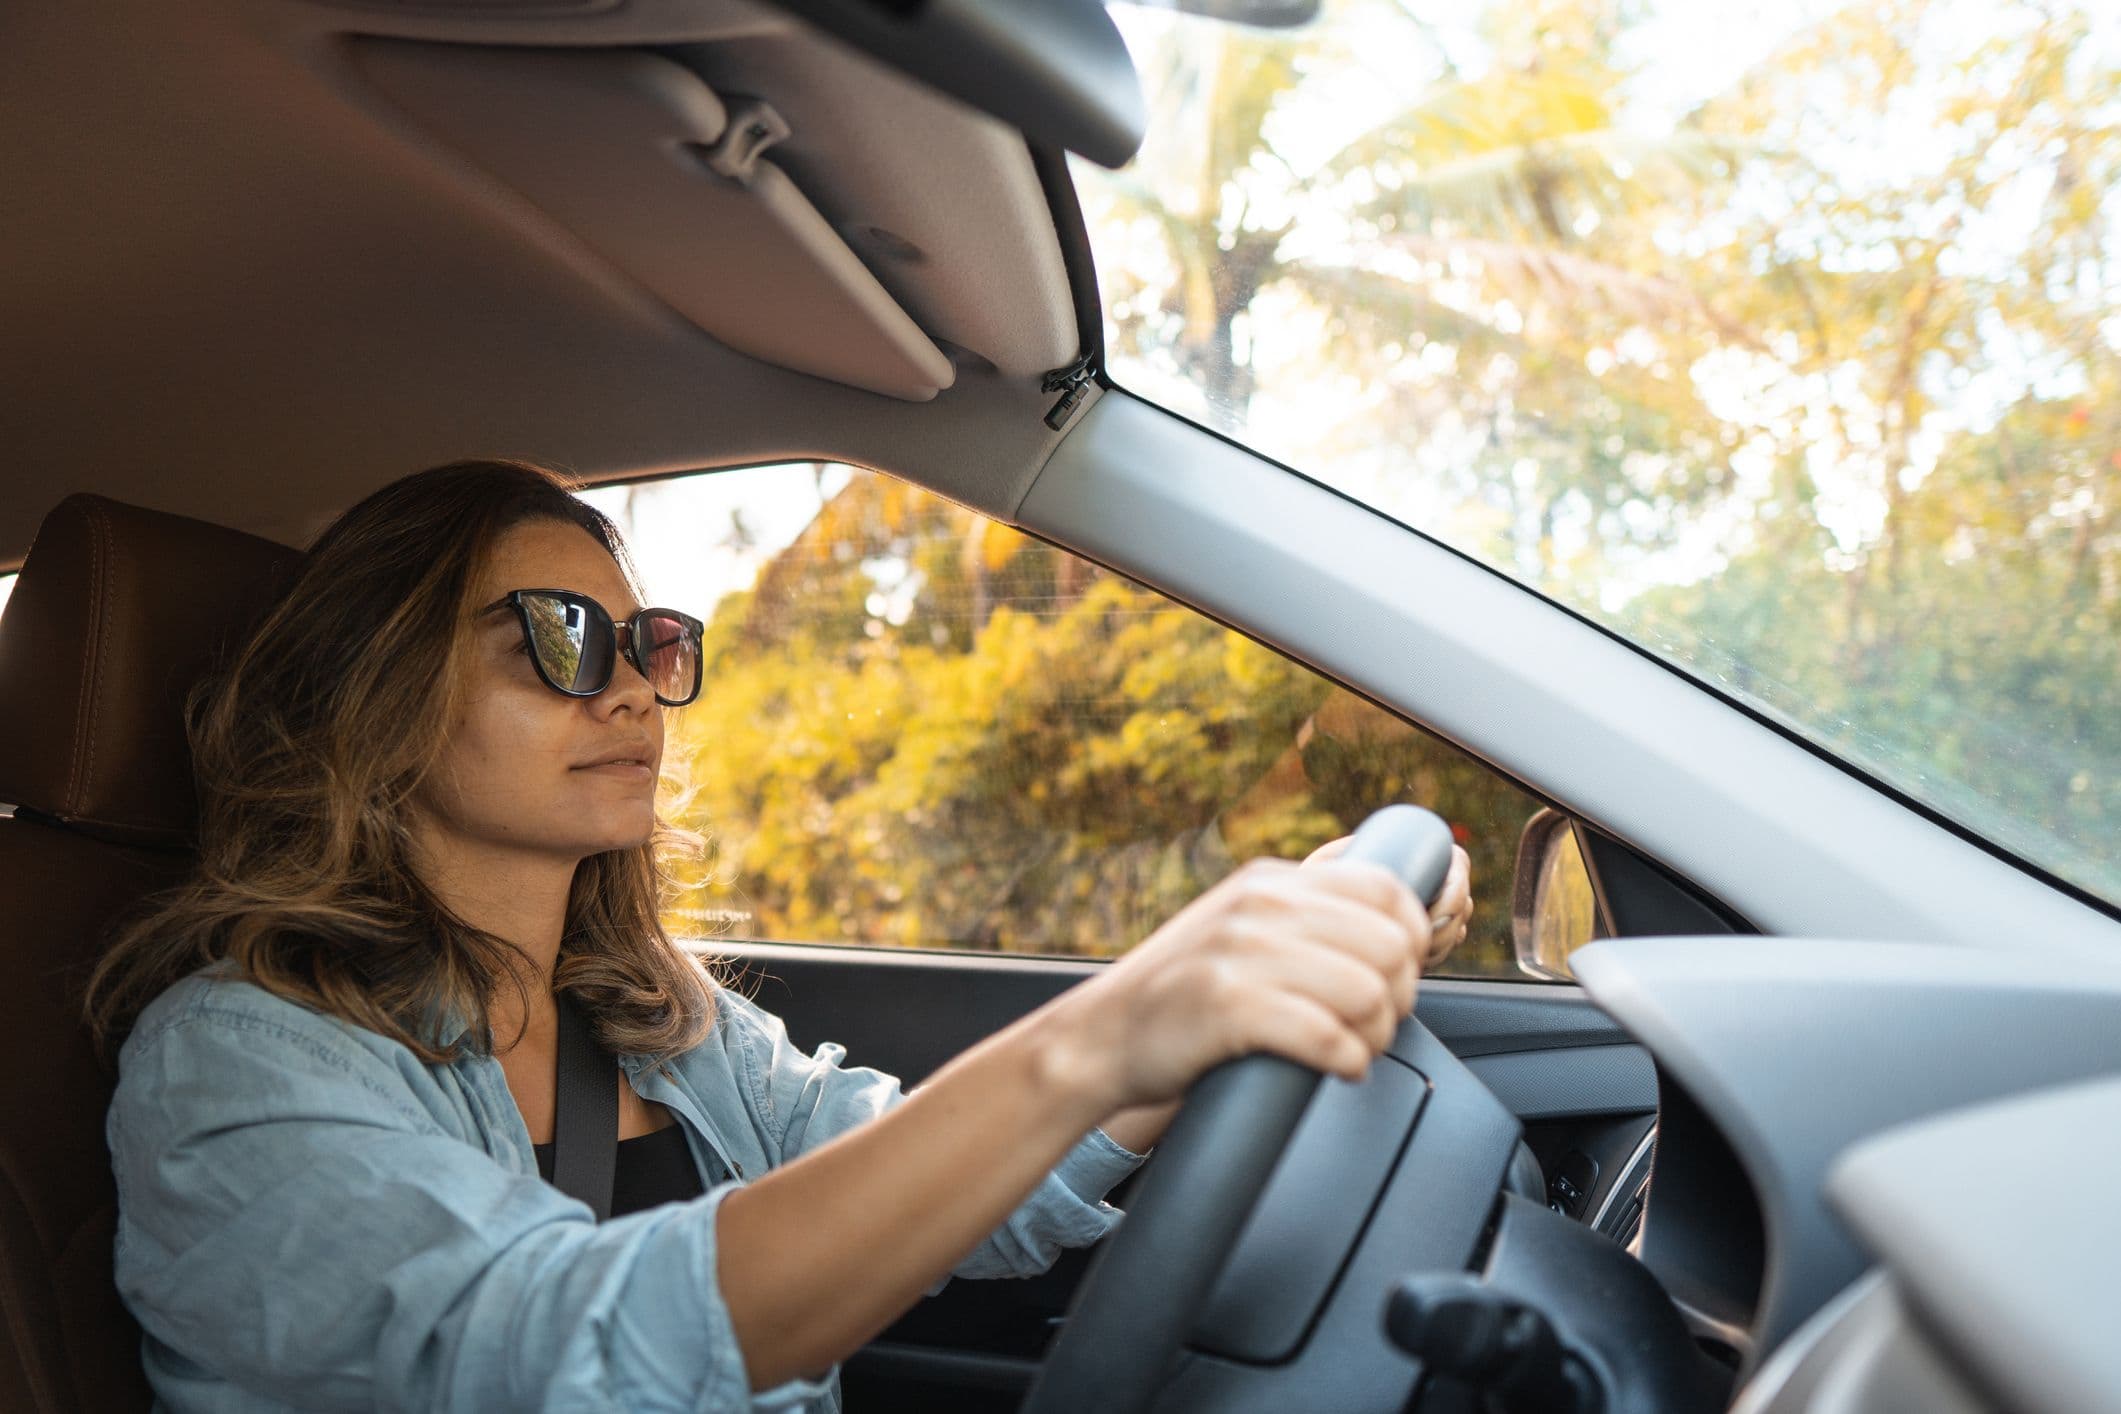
(923, 729)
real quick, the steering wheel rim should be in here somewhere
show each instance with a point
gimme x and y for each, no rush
(1148, 1282)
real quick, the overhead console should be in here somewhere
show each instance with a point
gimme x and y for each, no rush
(635, 156)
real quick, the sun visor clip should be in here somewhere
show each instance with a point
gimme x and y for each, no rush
(754, 126)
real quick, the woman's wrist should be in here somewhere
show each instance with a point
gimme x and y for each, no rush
(1138, 1129)
(1073, 1060)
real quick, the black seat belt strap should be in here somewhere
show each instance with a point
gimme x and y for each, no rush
(585, 1125)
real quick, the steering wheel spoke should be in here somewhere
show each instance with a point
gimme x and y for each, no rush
(1146, 1288)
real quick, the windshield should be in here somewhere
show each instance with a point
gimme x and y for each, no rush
(1782, 340)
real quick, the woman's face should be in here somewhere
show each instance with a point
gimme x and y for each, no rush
(526, 769)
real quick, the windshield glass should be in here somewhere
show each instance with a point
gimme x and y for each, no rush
(1781, 339)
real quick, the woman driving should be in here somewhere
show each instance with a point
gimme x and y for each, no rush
(428, 827)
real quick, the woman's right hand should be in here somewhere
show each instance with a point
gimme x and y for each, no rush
(1317, 963)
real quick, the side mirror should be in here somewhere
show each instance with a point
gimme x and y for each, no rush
(1553, 910)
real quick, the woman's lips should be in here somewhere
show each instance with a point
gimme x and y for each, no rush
(623, 770)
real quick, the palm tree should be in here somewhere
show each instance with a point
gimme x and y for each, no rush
(1498, 177)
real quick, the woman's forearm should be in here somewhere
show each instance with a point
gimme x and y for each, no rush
(819, 1255)
(1315, 964)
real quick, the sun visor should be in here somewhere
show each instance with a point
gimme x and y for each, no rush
(635, 156)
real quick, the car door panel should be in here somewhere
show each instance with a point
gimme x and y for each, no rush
(1544, 1049)
(1552, 1057)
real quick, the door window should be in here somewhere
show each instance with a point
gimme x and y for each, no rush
(921, 728)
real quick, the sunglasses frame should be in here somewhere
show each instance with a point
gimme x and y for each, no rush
(629, 650)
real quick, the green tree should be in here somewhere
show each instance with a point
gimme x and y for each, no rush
(1836, 430)
(1023, 753)
(1841, 436)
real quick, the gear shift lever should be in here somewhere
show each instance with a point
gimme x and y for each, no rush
(1465, 1330)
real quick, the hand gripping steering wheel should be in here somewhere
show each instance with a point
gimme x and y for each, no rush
(1143, 1291)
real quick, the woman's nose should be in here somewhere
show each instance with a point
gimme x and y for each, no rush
(628, 687)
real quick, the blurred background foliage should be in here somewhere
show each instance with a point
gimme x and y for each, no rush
(924, 729)
(1783, 339)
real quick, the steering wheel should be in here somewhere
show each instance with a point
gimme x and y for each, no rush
(1147, 1284)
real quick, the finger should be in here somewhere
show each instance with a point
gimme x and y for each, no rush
(1331, 849)
(1294, 905)
(1454, 909)
(1378, 887)
(1366, 939)
(1462, 868)
(1368, 1000)
(1443, 943)
(1299, 1029)
(1456, 896)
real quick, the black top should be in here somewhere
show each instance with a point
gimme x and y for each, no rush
(652, 1169)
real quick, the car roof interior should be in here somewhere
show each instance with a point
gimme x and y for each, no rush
(275, 253)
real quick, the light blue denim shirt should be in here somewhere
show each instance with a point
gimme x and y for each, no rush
(309, 1217)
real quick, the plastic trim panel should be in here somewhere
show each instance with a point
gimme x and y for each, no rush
(1796, 1049)
(1997, 1225)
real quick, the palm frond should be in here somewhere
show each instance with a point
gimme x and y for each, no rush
(1532, 276)
(1378, 307)
(1543, 187)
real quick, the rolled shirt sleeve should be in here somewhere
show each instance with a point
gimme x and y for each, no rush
(308, 1218)
(804, 1099)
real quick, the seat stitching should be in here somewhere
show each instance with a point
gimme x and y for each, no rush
(88, 665)
(110, 571)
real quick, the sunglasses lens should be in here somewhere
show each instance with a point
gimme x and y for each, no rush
(669, 655)
(572, 640)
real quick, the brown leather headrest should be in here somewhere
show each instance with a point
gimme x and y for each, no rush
(118, 613)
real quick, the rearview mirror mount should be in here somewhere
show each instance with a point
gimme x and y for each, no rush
(1056, 69)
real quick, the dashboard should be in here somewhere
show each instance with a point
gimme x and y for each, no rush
(1771, 1219)
(1864, 1163)
(1830, 1208)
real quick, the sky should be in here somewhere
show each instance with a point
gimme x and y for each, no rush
(689, 551)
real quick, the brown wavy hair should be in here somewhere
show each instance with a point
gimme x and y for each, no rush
(308, 749)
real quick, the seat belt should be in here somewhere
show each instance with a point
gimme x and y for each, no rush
(585, 1122)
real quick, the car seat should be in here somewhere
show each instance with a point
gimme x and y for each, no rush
(117, 613)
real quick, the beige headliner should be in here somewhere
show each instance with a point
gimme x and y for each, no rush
(239, 285)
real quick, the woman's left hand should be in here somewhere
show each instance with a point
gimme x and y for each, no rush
(1448, 916)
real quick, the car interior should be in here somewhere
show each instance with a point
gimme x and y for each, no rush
(1817, 1125)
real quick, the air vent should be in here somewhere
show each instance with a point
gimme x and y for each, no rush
(1619, 1214)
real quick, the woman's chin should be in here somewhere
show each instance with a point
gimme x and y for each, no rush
(633, 838)
(616, 834)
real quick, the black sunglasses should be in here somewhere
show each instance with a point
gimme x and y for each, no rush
(575, 645)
